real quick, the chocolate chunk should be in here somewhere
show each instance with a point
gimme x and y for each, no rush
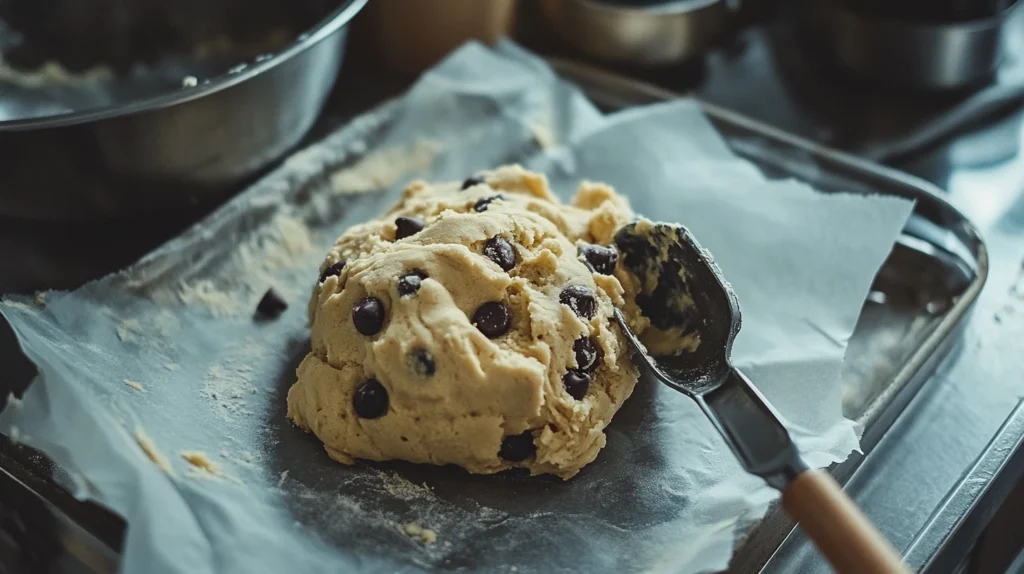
(518, 447)
(500, 251)
(493, 319)
(483, 203)
(422, 363)
(587, 355)
(406, 226)
(368, 316)
(410, 283)
(473, 180)
(271, 304)
(580, 299)
(602, 259)
(576, 383)
(370, 400)
(333, 270)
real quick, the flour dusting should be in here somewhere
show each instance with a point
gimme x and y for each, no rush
(384, 168)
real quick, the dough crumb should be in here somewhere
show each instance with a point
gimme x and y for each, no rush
(171, 366)
(149, 448)
(134, 385)
(199, 460)
(284, 477)
(543, 135)
(40, 298)
(224, 454)
(415, 530)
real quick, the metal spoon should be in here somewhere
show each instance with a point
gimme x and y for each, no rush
(685, 297)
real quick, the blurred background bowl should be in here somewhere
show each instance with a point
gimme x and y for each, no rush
(116, 106)
(639, 32)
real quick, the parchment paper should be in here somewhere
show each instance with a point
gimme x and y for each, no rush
(665, 495)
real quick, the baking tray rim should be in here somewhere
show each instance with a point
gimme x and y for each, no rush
(327, 26)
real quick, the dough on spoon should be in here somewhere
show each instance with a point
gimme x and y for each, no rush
(463, 327)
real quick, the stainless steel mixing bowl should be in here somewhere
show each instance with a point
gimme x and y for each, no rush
(147, 140)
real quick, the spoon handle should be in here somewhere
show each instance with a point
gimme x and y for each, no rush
(838, 528)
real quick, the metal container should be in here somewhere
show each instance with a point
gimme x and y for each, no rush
(916, 52)
(412, 35)
(139, 147)
(648, 35)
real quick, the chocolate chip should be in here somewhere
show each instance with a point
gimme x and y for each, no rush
(368, 316)
(587, 356)
(422, 363)
(500, 251)
(576, 383)
(271, 304)
(333, 270)
(410, 283)
(580, 299)
(517, 447)
(483, 203)
(406, 226)
(473, 180)
(370, 400)
(602, 259)
(493, 319)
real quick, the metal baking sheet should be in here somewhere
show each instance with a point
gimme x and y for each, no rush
(919, 302)
(740, 130)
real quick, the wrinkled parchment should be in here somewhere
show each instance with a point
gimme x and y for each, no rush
(665, 495)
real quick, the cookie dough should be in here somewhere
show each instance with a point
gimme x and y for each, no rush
(464, 327)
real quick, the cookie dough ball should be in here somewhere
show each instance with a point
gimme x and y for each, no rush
(466, 327)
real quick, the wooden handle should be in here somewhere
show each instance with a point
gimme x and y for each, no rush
(838, 528)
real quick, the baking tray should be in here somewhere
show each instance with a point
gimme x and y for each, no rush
(911, 320)
(914, 316)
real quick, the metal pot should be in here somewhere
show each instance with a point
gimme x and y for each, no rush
(655, 34)
(131, 149)
(911, 48)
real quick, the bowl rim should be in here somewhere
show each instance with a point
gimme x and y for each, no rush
(330, 24)
(670, 8)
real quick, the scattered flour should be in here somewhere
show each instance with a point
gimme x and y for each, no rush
(166, 323)
(149, 447)
(17, 305)
(386, 167)
(134, 385)
(222, 383)
(399, 487)
(284, 477)
(129, 330)
(203, 292)
(415, 530)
